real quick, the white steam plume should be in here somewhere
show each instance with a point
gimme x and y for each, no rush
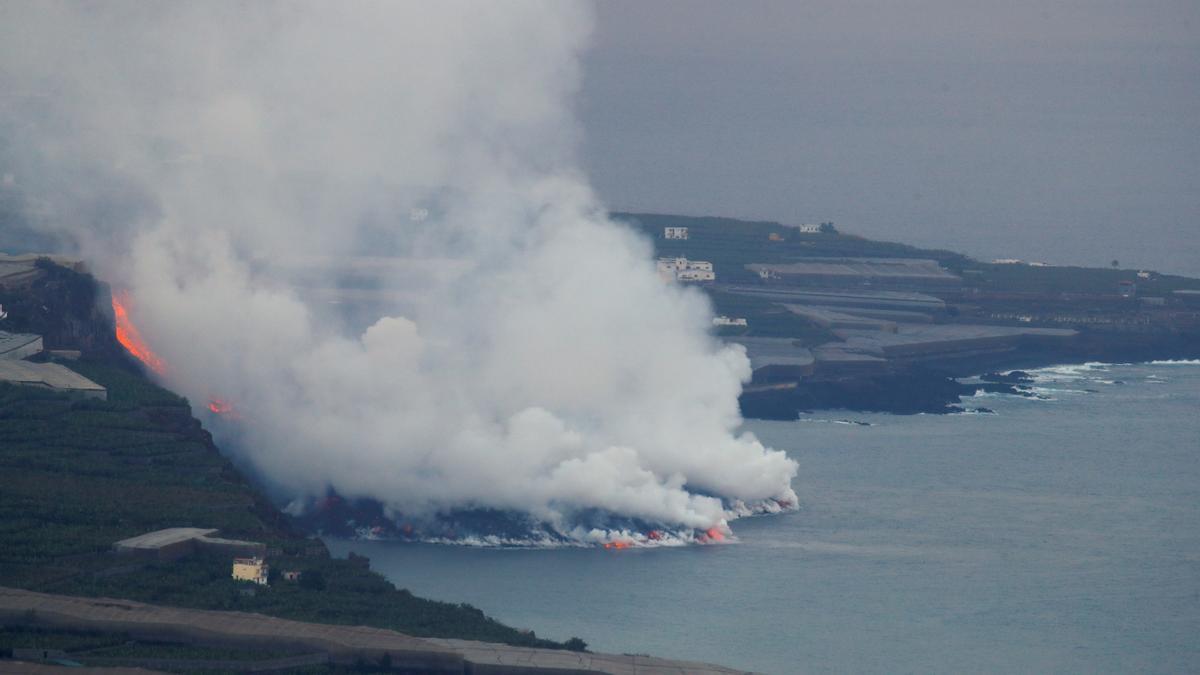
(210, 156)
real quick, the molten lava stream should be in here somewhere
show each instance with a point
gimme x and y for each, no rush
(130, 338)
(219, 407)
(223, 408)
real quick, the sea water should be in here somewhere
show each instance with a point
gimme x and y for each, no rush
(1061, 533)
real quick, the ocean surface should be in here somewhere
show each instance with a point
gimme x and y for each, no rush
(1058, 534)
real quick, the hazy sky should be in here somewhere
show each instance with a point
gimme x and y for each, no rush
(1059, 131)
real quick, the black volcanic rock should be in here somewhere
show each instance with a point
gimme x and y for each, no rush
(905, 394)
(1014, 377)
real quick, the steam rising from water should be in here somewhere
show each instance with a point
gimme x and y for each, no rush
(233, 164)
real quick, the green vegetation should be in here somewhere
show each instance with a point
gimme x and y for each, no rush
(731, 244)
(81, 474)
(1052, 280)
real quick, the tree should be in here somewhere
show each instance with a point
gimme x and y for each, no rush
(828, 228)
(576, 645)
(1115, 264)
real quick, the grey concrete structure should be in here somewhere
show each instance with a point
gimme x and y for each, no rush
(841, 359)
(829, 318)
(923, 341)
(169, 544)
(869, 299)
(178, 542)
(891, 315)
(50, 376)
(342, 644)
(15, 346)
(775, 359)
(886, 272)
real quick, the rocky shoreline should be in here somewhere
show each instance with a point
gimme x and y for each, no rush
(937, 387)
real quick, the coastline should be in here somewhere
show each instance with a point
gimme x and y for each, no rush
(937, 387)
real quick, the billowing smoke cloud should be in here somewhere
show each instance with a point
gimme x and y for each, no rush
(237, 166)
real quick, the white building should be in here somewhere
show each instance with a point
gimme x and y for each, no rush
(728, 321)
(682, 269)
(695, 275)
(675, 233)
(808, 228)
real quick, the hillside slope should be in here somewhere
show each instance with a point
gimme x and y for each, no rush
(79, 475)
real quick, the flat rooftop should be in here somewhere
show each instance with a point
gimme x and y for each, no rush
(879, 268)
(48, 375)
(18, 343)
(774, 352)
(947, 337)
(831, 318)
(160, 538)
(814, 296)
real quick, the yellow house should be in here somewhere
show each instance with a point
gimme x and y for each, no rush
(251, 569)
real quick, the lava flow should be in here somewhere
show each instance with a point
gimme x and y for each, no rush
(222, 407)
(130, 338)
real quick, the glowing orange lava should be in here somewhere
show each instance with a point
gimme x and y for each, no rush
(221, 407)
(130, 339)
(715, 534)
(617, 544)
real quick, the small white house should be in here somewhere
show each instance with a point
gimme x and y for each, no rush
(728, 321)
(808, 228)
(675, 233)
